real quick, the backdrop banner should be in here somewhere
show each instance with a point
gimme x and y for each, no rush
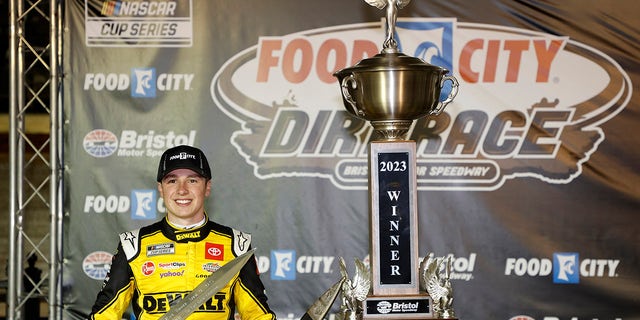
(530, 178)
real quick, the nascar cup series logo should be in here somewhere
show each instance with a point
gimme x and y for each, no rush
(158, 23)
(522, 109)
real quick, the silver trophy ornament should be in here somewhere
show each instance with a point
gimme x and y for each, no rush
(435, 274)
(354, 291)
(391, 89)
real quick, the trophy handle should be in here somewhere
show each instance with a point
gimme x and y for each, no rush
(452, 94)
(347, 84)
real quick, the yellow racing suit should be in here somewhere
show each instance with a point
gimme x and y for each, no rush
(159, 264)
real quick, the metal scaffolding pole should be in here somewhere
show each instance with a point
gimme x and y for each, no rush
(56, 160)
(35, 90)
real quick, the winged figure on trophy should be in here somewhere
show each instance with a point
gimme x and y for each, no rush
(354, 291)
(435, 274)
(392, 13)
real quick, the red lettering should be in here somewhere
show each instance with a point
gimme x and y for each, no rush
(330, 48)
(266, 59)
(298, 54)
(363, 49)
(506, 56)
(297, 58)
(545, 56)
(466, 72)
(491, 65)
(515, 47)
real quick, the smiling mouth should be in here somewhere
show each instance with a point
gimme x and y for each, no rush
(182, 202)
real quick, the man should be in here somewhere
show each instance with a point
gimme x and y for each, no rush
(161, 263)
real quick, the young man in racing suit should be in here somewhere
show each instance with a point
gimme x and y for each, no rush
(161, 263)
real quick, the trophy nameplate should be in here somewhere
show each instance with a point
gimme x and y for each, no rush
(404, 307)
(394, 222)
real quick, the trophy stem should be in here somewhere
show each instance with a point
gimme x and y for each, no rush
(391, 130)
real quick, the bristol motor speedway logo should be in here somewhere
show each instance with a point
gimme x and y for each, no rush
(522, 109)
(102, 143)
(96, 265)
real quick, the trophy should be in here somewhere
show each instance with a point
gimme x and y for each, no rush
(391, 90)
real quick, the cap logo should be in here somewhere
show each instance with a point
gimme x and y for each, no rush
(182, 156)
(186, 157)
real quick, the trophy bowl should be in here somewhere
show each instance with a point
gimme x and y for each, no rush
(391, 90)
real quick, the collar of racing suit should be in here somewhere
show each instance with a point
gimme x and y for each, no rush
(189, 235)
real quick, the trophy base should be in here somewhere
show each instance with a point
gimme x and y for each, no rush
(417, 306)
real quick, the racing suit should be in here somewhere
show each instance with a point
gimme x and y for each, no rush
(158, 264)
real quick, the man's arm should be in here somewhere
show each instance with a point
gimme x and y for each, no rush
(250, 296)
(117, 289)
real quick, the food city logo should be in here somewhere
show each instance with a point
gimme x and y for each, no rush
(522, 109)
(142, 204)
(138, 23)
(141, 82)
(101, 143)
(285, 265)
(566, 267)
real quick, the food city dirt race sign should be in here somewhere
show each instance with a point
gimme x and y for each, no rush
(522, 109)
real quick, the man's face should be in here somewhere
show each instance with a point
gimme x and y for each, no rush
(184, 192)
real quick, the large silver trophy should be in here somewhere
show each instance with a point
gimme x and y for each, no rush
(391, 90)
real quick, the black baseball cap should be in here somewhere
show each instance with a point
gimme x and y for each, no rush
(183, 157)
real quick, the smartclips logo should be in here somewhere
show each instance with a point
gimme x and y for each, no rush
(143, 204)
(522, 109)
(101, 143)
(567, 268)
(143, 82)
(285, 265)
(155, 23)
